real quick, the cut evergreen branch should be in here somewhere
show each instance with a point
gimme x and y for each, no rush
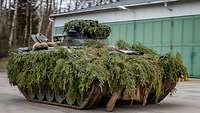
(86, 29)
(74, 70)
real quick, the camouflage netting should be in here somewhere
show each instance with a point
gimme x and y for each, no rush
(74, 70)
(86, 29)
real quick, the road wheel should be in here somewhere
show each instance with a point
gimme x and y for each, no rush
(31, 92)
(49, 94)
(60, 96)
(40, 93)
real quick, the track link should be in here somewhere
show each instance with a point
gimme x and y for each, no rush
(92, 100)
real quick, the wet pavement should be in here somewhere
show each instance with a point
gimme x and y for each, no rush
(185, 100)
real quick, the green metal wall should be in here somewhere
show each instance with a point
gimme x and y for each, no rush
(58, 31)
(176, 34)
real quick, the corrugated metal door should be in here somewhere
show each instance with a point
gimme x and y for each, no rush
(176, 34)
(58, 31)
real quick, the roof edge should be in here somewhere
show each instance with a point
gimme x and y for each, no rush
(99, 8)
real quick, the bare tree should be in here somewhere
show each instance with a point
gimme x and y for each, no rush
(30, 26)
(60, 7)
(21, 18)
(27, 21)
(14, 22)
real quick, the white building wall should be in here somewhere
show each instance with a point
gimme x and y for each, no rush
(138, 13)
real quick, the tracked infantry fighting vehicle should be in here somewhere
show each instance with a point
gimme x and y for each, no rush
(92, 73)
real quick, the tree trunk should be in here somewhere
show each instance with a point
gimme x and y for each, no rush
(40, 14)
(60, 6)
(1, 4)
(27, 22)
(13, 28)
(49, 30)
(70, 3)
(30, 26)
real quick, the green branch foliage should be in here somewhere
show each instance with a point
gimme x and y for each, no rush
(75, 70)
(87, 28)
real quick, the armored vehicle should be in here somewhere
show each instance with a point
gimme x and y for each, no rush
(92, 73)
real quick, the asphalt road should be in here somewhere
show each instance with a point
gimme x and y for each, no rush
(185, 100)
